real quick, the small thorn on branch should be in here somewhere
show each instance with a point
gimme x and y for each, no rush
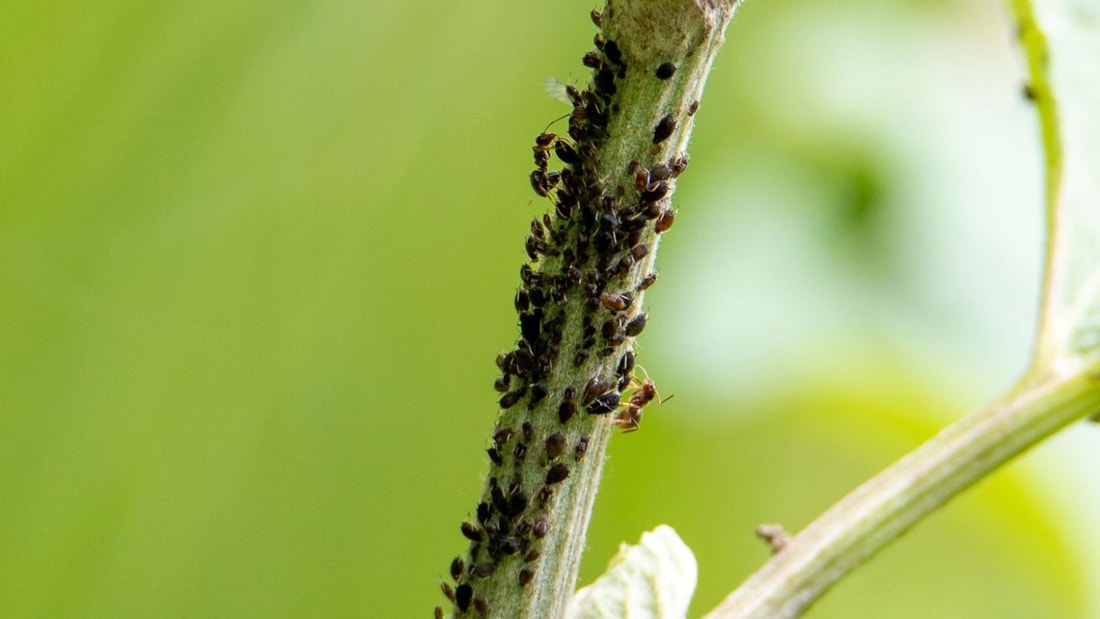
(774, 535)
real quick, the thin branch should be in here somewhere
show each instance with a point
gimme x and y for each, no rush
(885, 507)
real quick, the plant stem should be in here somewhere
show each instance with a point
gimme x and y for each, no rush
(886, 506)
(1051, 341)
(579, 309)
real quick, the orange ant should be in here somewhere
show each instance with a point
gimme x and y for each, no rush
(629, 416)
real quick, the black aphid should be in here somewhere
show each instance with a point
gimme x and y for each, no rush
(663, 130)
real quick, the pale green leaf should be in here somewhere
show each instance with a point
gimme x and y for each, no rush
(653, 579)
(1062, 41)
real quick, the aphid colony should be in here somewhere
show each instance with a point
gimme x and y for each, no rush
(585, 281)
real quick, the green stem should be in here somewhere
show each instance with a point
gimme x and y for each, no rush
(886, 506)
(1051, 341)
(580, 306)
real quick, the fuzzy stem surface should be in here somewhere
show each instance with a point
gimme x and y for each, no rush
(569, 381)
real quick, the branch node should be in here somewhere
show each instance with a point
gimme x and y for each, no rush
(774, 535)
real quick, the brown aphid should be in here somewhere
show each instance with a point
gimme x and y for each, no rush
(664, 129)
(566, 153)
(625, 264)
(532, 556)
(538, 183)
(494, 455)
(545, 493)
(634, 238)
(595, 115)
(612, 331)
(666, 70)
(573, 273)
(542, 525)
(538, 392)
(654, 192)
(635, 327)
(693, 108)
(528, 431)
(457, 567)
(597, 18)
(574, 94)
(481, 606)
(447, 591)
(639, 251)
(438, 612)
(502, 436)
(581, 448)
(678, 165)
(542, 181)
(492, 530)
(532, 247)
(647, 281)
(665, 221)
(526, 575)
(580, 358)
(592, 60)
(626, 363)
(517, 503)
(509, 399)
(593, 389)
(501, 384)
(523, 528)
(555, 444)
(566, 411)
(557, 474)
(508, 547)
(499, 500)
(471, 532)
(616, 302)
(660, 172)
(482, 570)
(529, 276)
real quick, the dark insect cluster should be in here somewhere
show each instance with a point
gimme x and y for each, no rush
(585, 276)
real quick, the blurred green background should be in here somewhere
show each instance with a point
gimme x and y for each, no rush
(256, 260)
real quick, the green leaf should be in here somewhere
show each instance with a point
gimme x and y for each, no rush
(656, 578)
